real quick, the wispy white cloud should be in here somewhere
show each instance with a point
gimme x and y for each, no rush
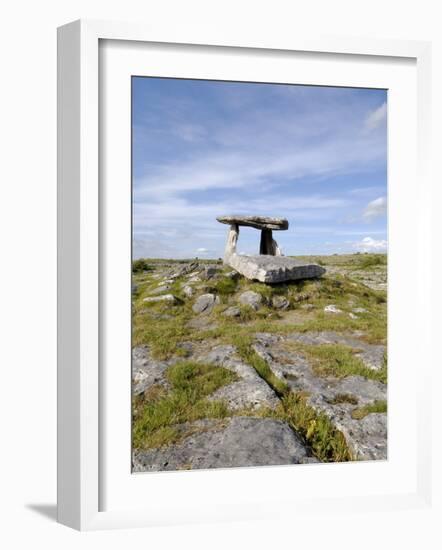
(368, 244)
(376, 117)
(375, 209)
(245, 168)
(214, 149)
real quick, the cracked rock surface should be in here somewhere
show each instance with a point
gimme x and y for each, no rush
(239, 441)
(367, 438)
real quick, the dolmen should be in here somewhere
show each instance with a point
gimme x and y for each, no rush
(269, 266)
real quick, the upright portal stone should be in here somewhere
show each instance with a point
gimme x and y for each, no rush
(269, 266)
(268, 245)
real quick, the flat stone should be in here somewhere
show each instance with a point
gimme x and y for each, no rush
(273, 269)
(232, 311)
(160, 289)
(332, 309)
(205, 303)
(250, 298)
(164, 298)
(258, 222)
(233, 443)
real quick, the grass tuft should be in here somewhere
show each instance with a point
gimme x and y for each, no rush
(340, 361)
(156, 417)
(327, 443)
(344, 398)
(375, 407)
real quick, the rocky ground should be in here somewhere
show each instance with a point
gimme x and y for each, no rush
(228, 372)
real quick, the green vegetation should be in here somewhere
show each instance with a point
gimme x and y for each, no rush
(376, 407)
(164, 416)
(223, 286)
(338, 361)
(327, 443)
(372, 260)
(245, 351)
(157, 415)
(344, 398)
(140, 265)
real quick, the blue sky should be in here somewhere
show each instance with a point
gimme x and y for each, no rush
(315, 155)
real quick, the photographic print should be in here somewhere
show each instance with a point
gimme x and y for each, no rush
(259, 274)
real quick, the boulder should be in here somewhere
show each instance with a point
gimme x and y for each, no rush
(280, 302)
(205, 303)
(188, 291)
(209, 272)
(232, 311)
(250, 298)
(273, 269)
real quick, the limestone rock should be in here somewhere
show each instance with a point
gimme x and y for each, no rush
(249, 391)
(184, 270)
(194, 279)
(280, 302)
(232, 311)
(188, 291)
(273, 269)
(240, 441)
(205, 303)
(209, 272)
(147, 371)
(170, 298)
(332, 309)
(233, 275)
(160, 289)
(250, 298)
(258, 222)
(366, 438)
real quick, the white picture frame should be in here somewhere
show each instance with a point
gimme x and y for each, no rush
(80, 396)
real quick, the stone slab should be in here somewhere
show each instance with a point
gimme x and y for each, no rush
(258, 222)
(273, 269)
